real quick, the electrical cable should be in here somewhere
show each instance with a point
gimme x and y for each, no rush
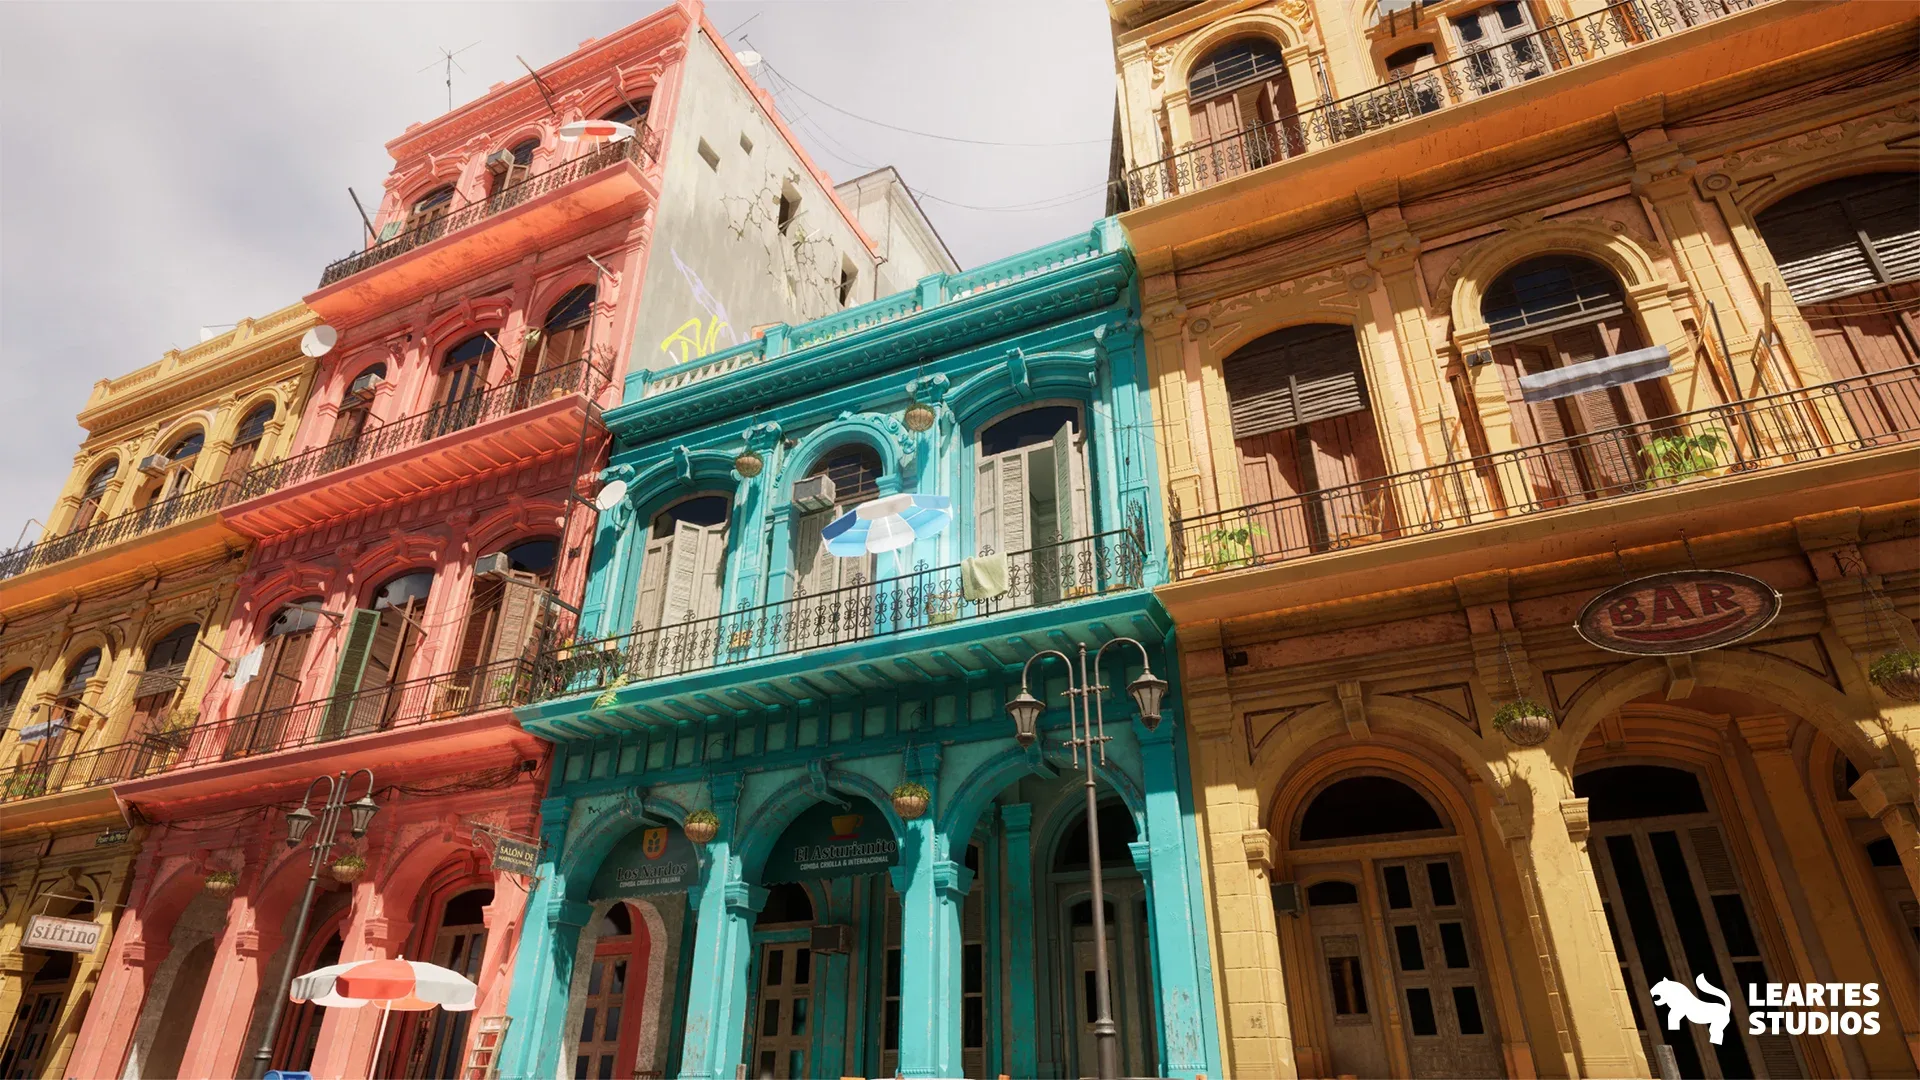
(929, 134)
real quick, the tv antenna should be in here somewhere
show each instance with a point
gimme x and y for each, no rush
(447, 60)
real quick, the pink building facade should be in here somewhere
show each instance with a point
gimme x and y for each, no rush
(426, 533)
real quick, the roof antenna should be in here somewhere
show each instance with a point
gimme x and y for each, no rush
(450, 63)
(542, 84)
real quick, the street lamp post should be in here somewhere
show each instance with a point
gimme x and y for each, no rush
(299, 823)
(1087, 730)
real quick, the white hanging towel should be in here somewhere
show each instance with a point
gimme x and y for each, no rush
(245, 668)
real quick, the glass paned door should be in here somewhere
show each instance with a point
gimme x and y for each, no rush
(33, 1032)
(1446, 1013)
(600, 1019)
(782, 1033)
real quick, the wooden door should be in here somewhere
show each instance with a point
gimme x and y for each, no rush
(34, 1025)
(1339, 929)
(1499, 43)
(1446, 1013)
(783, 1034)
(833, 595)
(442, 1040)
(608, 1044)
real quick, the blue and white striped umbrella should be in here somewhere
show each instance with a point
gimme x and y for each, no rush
(887, 524)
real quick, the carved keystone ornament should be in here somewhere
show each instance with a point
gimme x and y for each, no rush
(1685, 611)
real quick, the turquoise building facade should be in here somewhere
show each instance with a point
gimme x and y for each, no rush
(731, 677)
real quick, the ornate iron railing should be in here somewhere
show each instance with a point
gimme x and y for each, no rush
(977, 588)
(641, 150)
(30, 779)
(152, 517)
(579, 377)
(430, 700)
(1474, 75)
(1753, 435)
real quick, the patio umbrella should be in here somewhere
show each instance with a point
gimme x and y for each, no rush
(887, 524)
(406, 985)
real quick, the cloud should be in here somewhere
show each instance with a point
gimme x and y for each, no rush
(168, 166)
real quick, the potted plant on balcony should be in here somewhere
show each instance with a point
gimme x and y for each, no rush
(1898, 674)
(1524, 722)
(910, 800)
(349, 867)
(1228, 549)
(1673, 458)
(605, 699)
(222, 882)
(702, 826)
(26, 786)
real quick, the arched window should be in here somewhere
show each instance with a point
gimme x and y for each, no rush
(787, 902)
(459, 945)
(615, 993)
(171, 475)
(503, 614)
(683, 572)
(1308, 445)
(276, 682)
(160, 681)
(356, 405)
(94, 495)
(1030, 482)
(463, 379)
(430, 207)
(84, 667)
(853, 469)
(1241, 102)
(1624, 792)
(1117, 831)
(70, 708)
(388, 639)
(510, 166)
(1850, 253)
(1571, 359)
(631, 114)
(1367, 806)
(564, 333)
(246, 440)
(12, 689)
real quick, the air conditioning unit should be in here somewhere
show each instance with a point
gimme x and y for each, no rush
(500, 161)
(814, 493)
(832, 938)
(153, 464)
(1286, 897)
(494, 565)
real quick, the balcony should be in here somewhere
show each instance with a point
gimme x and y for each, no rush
(513, 423)
(1674, 467)
(453, 246)
(69, 787)
(178, 524)
(450, 715)
(1471, 77)
(915, 626)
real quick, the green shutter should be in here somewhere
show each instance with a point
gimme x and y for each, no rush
(353, 665)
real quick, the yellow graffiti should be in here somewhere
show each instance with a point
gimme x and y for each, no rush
(691, 342)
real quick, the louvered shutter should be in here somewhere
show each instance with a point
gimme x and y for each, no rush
(1063, 482)
(711, 573)
(653, 580)
(1818, 252)
(684, 584)
(281, 679)
(83, 517)
(239, 461)
(816, 569)
(519, 618)
(1891, 220)
(1015, 527)
(986, 505)
(1294, 377)
(362, 626)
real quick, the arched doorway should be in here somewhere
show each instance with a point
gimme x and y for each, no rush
(300, 1031)
(436, 1049)
(1129, 957)
(177, 1016)
(833, 596)
(43, 1000)
(1241, 109)
(614, 997)
(1389, 927)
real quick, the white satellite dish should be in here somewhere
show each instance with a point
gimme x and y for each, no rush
(319, 341)
(612, 130)
(611, 495)
(748, 58)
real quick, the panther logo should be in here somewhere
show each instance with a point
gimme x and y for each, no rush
(1682, 1005)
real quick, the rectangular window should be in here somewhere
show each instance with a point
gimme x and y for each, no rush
(1349, 993)
(1399, 893)
(1420, 1011)
(707, 155)
(1466, 1008)
(1406, 941)
(1440, 882)
(789, 209)
(1453, 942)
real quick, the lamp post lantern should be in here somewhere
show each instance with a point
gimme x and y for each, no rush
(1087, 730)
(300, 822)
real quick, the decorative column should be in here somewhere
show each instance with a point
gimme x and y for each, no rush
(932, 887)
(1179, 926)
(1016, 819)
(86, 972)
(1545, 830)
(723, 946)
(543, 966)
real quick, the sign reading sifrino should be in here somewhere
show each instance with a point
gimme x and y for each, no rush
(61, 935)
(1685, 611)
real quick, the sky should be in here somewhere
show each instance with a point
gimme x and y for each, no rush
(169, 166)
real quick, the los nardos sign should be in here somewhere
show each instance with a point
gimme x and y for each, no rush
(1685, 611)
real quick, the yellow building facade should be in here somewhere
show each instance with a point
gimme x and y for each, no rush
(1462, 315)
(109, 627)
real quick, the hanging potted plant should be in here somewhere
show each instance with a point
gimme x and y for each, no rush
(1525, 722)
(910, 800)
(1898, 674)
(222, 882)
(918, 417)
(702, 826)
(349, 867)
(748, 464)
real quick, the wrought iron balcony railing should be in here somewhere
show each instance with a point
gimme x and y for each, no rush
(1476, 74)
(1847, 416)
(58, 773)
(150, 518)
(579, 377)
(430, 700)
(641, 150)
(923, 599)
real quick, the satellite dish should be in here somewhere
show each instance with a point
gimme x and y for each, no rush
(748, 58)
(611, 495)
(319, 341)
(595, 129)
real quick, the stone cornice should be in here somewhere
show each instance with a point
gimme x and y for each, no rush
(182, 376)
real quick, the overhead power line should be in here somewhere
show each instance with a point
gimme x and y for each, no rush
(928, 134)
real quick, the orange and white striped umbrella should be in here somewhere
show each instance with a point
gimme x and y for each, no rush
(400, 985)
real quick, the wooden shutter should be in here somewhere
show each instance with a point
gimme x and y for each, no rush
(239, 461)
(653, 580)
(351, 421)
(1891, 222)
(83, 517)
(684, 581)
(1063, 482)
(816, 570)
(563, 346)
(362, 626)
(1818, 252)
(986, 505)
(1294, 377)
(280, 681)
(1015, 526)
(519, 618)
(711, 573)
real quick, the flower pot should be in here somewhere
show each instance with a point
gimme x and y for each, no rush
(1524, 723)
(348, 869)
(910, 807)
(222, 882)
(701, 830)
(1897, 674)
